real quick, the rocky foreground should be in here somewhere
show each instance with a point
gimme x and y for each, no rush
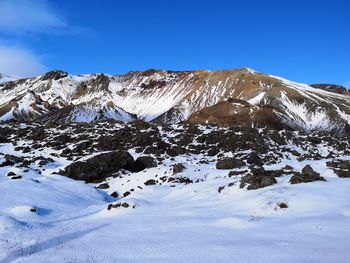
(76, 192)
(96, 152)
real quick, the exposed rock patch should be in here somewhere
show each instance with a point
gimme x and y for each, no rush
(99, 167)
(257, 178)
(229, 163)
(307, 175)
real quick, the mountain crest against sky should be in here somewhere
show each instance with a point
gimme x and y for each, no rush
(240, 97)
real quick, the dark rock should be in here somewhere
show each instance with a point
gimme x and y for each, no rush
(38, 134)
(229, 163)
(254, 159)
(287, 169)
(141, 125)
(11, 160)
(175, 151)
(282, 205)
(11, 174)
(144, 162)
(115, 194)
(181, 180)
(236, 173)
(213, 151)
(178, 168)
(307, 175)
(16, 177)
(275, 173)
(257, 181)
(99, 167)
(340, 167)
(117, 205)
(45, 161)
(103, 186)
(26, 150)
(332, 88)
(258, 178)
(221, 188)
(150, 182)
(125, 205)
(55, 74)
(126, 194)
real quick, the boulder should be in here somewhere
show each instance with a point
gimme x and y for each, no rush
(126, 194)
(115, 194)
(99, 167)
(254, 159)
(178, 168)
(229, 163)
(307, 175)
(150, 182)
(16, 177)
(144, 162)
(257, 178)
(175, 151)
(11, 174)
(103, 186)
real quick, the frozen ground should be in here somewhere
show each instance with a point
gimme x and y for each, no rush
(69, 221)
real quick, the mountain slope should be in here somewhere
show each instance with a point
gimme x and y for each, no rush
(58, 96)
(172, 97)
(235, 112)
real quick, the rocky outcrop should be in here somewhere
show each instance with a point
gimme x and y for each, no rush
(144, 162)
(55, 75)
(307, 175)
(257, 178)
(99, 167)
(229, 163)
(340, 167)
(332, 88)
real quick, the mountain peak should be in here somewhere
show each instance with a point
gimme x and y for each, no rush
(54, 74)
(7, 78)
(177, 96)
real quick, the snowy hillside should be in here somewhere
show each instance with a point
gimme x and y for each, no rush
(171, 97)
(6, 78)
(172, 194)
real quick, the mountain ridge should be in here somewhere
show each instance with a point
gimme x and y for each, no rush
(173, 97)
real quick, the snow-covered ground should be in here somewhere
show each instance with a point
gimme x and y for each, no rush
(70, 222)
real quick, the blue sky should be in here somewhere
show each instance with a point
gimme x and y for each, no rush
(305, 41)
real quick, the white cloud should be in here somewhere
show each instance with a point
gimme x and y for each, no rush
(20, 62)
(19, 20)
(28, 16)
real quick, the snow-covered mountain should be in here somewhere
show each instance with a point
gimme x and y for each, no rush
(172, 97)
(6, 78)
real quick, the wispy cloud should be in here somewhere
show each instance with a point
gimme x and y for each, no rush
(29, 16)
(20, 62)
(19, 21)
